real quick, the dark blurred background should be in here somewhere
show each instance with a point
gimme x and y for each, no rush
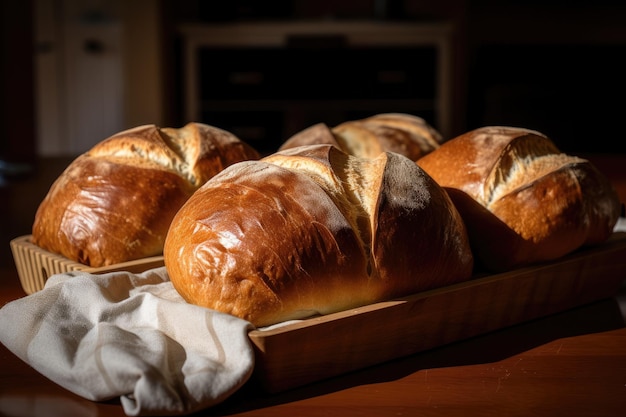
(74, 72)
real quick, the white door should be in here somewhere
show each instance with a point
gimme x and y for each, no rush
(79, 72)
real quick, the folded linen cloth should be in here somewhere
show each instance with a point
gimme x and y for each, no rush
(129, 336)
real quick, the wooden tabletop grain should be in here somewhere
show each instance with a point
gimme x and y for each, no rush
(571, 364)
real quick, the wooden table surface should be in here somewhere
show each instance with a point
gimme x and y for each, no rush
(570, 364)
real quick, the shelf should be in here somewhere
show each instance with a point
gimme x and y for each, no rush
(314, 71)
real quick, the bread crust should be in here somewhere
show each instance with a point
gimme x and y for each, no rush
(115, 202)
(401, 133)
(522, 200)
(312, 230)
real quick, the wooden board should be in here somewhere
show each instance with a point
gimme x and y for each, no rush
(322, 347)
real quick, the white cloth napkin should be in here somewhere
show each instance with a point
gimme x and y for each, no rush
(129, 336)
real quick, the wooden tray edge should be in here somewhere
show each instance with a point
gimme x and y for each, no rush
(312, 354)
(35, 265)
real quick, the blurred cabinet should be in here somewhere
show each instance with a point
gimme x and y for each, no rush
(265, 81)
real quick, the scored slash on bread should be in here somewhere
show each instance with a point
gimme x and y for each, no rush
(196, 151)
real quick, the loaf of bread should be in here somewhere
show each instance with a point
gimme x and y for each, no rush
(401, 133)
(115, 202)
(523, 201)
(312, 230)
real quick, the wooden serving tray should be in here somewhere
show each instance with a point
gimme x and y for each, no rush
(35, 265)
(314, 349)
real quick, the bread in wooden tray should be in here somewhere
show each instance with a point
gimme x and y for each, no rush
(372, 254)
(312, 230)
(114, 203)
(523, 201)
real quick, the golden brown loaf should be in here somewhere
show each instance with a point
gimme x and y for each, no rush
(312, 230)
(115, 202)
(523, 201)
(402, 133)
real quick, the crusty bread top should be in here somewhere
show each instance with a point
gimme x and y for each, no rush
(196, 151)
(401, 133)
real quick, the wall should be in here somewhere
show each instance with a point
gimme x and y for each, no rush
(16, 89)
